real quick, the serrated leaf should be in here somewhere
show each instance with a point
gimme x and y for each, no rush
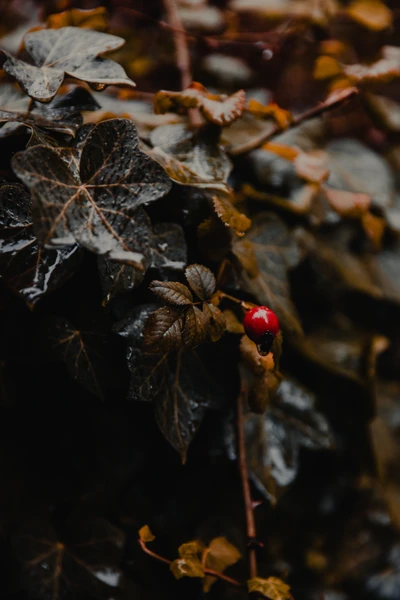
(229, 215)
(272, 588)
(66, 51)
(201, 280)
(96, 208)
(221, 554)
(187, 567)
(25, 266)
(145, 534)
(191, 158)
(163, 330)
(196, 327)
(172, 292)
(276, 252)
(218, 109)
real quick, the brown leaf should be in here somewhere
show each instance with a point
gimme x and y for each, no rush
(163, 330)
(218, 109)
(312, 166)
(233, 325)
(245, 253)
(201, 280)
(145, 534)
(172, 292)
(282, 117)
(195, 328)
(261, 375)
(348, 204)
(96, 18)
(229, 215)
(272, 588)
(326, 67)
(220, 554)
(215, 321)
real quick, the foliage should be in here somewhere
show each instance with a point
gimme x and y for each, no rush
(164, 167)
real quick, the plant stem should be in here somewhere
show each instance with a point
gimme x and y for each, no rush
(244, 476)
(181, 46)
(332, 101)
(210, 572)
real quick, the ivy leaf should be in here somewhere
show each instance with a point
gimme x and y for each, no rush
(201, 280)
(67, 51)
(115, 277)
(272, 588)
(190, 158)
(82, 352)
(230, 215)
(179, 388)
(145, 534)
(218, 109)
(168, 247)
(86, 557)
(189, 563)
(25, 266)
(94, 209)
(276, 252)
(172, 292)
(273, 440)
(220, 554)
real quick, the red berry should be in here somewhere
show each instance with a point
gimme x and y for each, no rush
(262, 326)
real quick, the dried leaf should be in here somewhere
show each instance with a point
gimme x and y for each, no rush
(229, 215)
(25, 266)
(196, 327)
(163, 331)
(66, 51)
(262, 378)
(384, 69)
(272, 588)
(312, 166)
(233, 325)
(95, 209)
(189, 158)
(326, 67)
(96, 19)
(172, 292)
(220, 110)
(145, 534)
(216, 324)
(201, 280)
(221, 554)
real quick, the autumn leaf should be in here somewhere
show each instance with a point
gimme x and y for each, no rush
(272, 588)
(25, 266)
(96, 208)
(373, 14)
(218, 109)
(384, 69)
(164, 329)
(145, 534)
(260, 373)
(201, 280)
(187, 567)
(172, 292)
(95, 18)
(229, 215)
(67, 51)
(220, 554)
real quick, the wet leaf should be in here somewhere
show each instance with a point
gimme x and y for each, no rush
(95, 209)
(220, 555)
(187, 567)
(25, 266)
(180, 389)
(86, 557)
(168, 247)
(385, 68)
(145, 534)
(83, 353)
(218, 109)
(201, 280)
(276, 252)
(172, 292)
(163, 331)
(272, 588)
(274, 439)
(190, 159)
(67, 51)
(229, 215)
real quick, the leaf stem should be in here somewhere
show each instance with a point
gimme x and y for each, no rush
(244, 476)
(210, 572)
(243, 303)
(332, 101)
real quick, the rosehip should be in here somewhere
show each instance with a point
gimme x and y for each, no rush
(262, 326)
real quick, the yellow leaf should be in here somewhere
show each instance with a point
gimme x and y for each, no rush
(145, 534)
(273, 588)
(187, 567)
(287, 152)
(326, 67)
(372, 14)
(220, 555)
(192, 549)
(230, 215)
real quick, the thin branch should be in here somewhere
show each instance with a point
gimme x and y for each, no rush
(180, 41)
(210, 572)
(244, 476)
(331, 102)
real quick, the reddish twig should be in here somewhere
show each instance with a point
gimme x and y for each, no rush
(180, 41)
(210, 572)
(332, 101)
(244, 476)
